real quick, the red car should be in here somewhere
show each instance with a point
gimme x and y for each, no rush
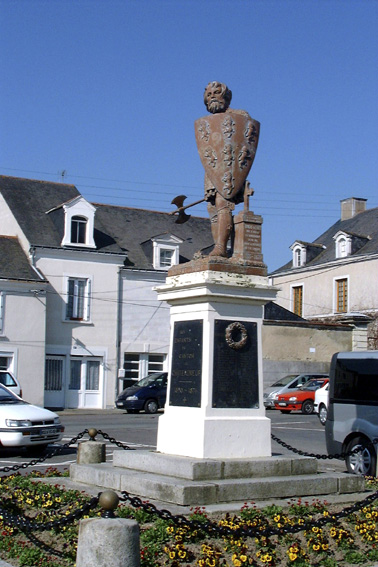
(301, 399)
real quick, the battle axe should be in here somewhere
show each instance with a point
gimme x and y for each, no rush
(179, 202)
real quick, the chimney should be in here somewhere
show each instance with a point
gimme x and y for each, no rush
(351, 207)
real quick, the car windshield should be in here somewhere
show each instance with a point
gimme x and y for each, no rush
(313, 384)
(284, 381)
(148, 380)
(7, 379)
(7, 397)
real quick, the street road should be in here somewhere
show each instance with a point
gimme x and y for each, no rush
(139, 431)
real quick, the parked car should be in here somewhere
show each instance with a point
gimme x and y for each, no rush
(352, 422)
(149, 394)
(321, 403)
(301, 399)
(10, 381)
(25, 425)
(286, 384)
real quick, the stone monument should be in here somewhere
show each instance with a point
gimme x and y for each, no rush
(214, 440)
(214, 405)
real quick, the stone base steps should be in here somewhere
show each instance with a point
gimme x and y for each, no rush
(193, 482)
(204, 469)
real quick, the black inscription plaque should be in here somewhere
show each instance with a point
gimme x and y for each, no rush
(186, 369)
(235, 374)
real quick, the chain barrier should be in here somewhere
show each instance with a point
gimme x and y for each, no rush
(26, 524)
(114, 441)
(341, 456)
(213, 529)
(56, 450)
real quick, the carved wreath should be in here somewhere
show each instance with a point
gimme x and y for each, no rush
(233, 330)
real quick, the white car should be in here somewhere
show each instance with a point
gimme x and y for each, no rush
(25, 425)
(10, 381)
(321, 403)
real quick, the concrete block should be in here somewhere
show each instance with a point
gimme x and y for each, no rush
(170, 490)
(284, 487)
(91, 452)
(211, 469)
(304, 465)
(97, 475)
(169, 465)
(108, 542)
(348, 483)
(255, 468)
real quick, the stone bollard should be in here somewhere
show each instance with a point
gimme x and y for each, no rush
(91, 452)
(108, 541)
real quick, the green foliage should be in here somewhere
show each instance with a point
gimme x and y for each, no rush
(329, 562)
(352, 540)
(273, 510)
(355, 557)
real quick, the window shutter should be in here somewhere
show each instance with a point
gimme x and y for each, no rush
(70, 298)
(88, 300)
(1, 312)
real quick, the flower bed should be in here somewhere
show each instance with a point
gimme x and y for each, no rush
(352, 540)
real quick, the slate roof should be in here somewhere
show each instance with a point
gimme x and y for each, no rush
(363, 226)
(37, 206)
(274, 312)
(14, 265)
(132, 228)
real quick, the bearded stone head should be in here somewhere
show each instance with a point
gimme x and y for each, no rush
(217, 97)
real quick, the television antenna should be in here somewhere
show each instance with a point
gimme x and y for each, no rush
(62, 174)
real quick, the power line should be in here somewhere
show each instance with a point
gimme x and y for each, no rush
(154, 183)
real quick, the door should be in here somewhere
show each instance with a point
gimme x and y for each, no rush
(85, 383)
(54, 382)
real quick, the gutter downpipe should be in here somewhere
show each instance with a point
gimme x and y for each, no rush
(32, 251)
(119, 330)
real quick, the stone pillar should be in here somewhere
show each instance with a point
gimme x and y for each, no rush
(108, 542)
(214, 405)
(91, 452)
(247, 243)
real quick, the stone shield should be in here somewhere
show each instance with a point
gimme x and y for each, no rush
(227, 144)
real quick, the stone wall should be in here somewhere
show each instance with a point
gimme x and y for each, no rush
(298, 347)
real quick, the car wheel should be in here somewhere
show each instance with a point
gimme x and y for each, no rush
(151, 406)
(364, 461)
(323, 412)
(285, 410)
(307, 407)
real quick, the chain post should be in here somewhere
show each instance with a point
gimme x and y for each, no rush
(92, 432)
(108, 501)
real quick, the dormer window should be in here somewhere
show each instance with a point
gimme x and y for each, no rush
(343, 245)
(79, 223)
(78, 230)
(341, 248)
(166, 257)
(166, 251)
(299, 255)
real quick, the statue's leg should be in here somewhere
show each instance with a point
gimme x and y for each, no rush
(213, 220)
(223, 226)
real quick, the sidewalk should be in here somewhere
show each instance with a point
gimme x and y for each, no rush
(87, 411)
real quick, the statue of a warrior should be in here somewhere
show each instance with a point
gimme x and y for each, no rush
(227, 142)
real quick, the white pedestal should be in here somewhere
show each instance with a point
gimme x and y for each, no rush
(201, 420)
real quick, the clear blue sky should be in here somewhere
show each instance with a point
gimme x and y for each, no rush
(108, 92)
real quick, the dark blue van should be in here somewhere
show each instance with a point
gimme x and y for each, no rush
(149, 394)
